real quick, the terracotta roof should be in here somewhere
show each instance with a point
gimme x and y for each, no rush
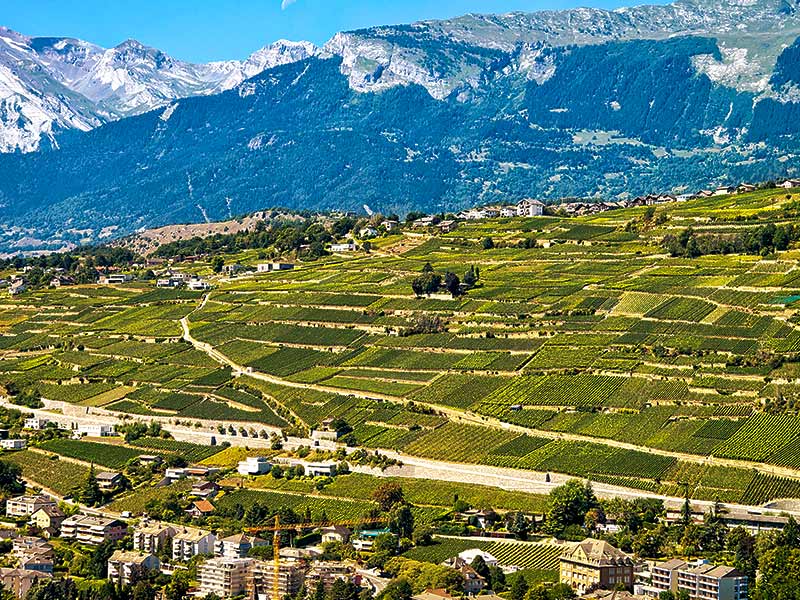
(204, 506)
(435, 594)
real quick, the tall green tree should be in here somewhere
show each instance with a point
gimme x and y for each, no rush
(388, 495)
(397, 589)
(780, 575)
(90, 494)
(568, 505)
(217, 262)
(11, 479)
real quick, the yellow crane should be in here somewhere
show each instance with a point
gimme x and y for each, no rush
(278, 527)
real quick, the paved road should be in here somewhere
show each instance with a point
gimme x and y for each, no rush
(413, 467)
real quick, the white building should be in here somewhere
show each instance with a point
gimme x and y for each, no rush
(424, 222)
(36, 423)
(530, 208)
(188, 542)
(237, 546)
(225, 577)
(95, 430)
(270, 267)
(127, 567)
(344, 247)
(335, 533)
(470, 555)
(233, 269)
(115, 279)
(172, 282)
(320, 469)
(17, 287)
(199, 285)
(25, 506)
(699, 580)
(254, 465)
(473, 214)
(724, 190)
(15, 444)
(93, 530)
(152, 536)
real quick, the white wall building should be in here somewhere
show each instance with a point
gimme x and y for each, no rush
(254, 465)
(188, 542)
(96, 430)
(530, 208)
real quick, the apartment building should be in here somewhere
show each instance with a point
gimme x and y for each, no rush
(327, 573)
(34, 554)
(665, 576)
(188, 542)
(712, 582)
(126, 567)
(225, 577)
(152, 536)
(20, 581)
(261, 579)
(700, 580)
(592, 564)
(25, 506)
(93, 530)
(237, 546)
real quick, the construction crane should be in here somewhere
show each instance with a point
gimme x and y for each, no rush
(278, 527)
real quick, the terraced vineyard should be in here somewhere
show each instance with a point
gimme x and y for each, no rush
(525, 555)
(49, 471)
(584, 348)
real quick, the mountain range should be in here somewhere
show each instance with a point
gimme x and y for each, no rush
(51, 84)
(434, 115)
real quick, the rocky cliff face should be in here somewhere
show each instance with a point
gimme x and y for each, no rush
(446, 56)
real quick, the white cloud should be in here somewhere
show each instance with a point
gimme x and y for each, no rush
(287, 3)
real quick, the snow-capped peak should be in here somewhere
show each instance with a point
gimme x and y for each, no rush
(53, 83)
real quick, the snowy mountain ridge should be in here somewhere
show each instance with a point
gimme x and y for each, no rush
(51, 84)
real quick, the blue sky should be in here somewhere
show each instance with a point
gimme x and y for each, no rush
(203, 30)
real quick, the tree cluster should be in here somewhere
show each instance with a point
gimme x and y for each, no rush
(305, 238)
(763, 240)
